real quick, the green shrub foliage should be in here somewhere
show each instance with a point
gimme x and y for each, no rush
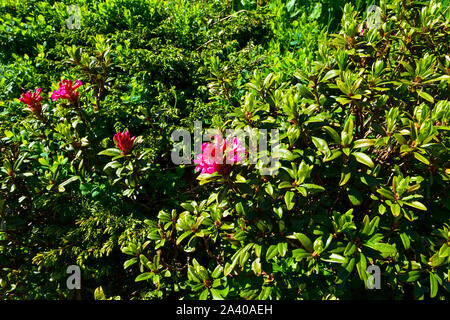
(362, 108)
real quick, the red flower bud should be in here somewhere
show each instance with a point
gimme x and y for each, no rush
(32, 100)
(124, 142)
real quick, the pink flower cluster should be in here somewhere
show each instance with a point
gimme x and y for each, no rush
(124, 142)
(67, 91)
(32, 100)
(209, 162)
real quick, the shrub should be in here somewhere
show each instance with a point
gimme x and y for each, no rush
(363, 178)
(363, 164)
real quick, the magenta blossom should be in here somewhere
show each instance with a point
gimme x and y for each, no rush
(218, 157)
(67, 91)
(32, 100)
(124, 142)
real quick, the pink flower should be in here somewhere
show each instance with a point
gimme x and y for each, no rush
(124, 142)
(32, 100)
(67, 91)
(362, 29)
(209, 162)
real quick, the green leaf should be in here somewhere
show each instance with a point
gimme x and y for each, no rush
(284, 185)
(433, 285)
(217, 271)
(405, 240)
(354, 196)
(305, 241)
(384, 248)
(334, 258)
(436, 260)
(8, 134)
(334, 154)
(345, 175)
(204, 295)
(99, 294)
(112, 152)
(302, 191)
(256, 266)
(410, 276)
(184, 235)
(44, 162)
(230, 266)
(282, 248)
(421, 158)
(271, 252)
(333, 134)
(299, 254)
(216, 294)
(144, 276)
(330, 74)
(386, 193)
(348, 126)
(363, 143)
(416, 204)
(395, 208)
(321, 145)
(129, 262)
(289, 199)
(269, 189)
(312, 187)
(444, 251)
(188, 207)
(361, 267)
(426, 96)
(363, 158)
(70, 180)
(349, 249)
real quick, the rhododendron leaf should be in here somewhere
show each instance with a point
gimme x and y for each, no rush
(416, 204)
(300, 254)
(345, 175)
(363, 143)
(284, 185)
(306, 242)
(421, 158)
(70, 180)
(272, 251)
(184, 235)
(112, 152)
(256, 266)
(289, 199)
(144, 276)
(321, 145)
(282, 248)
(363, 158)
(313, 187)
(426, 96)
(302, 191)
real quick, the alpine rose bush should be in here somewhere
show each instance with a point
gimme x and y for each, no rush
(358, 173)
